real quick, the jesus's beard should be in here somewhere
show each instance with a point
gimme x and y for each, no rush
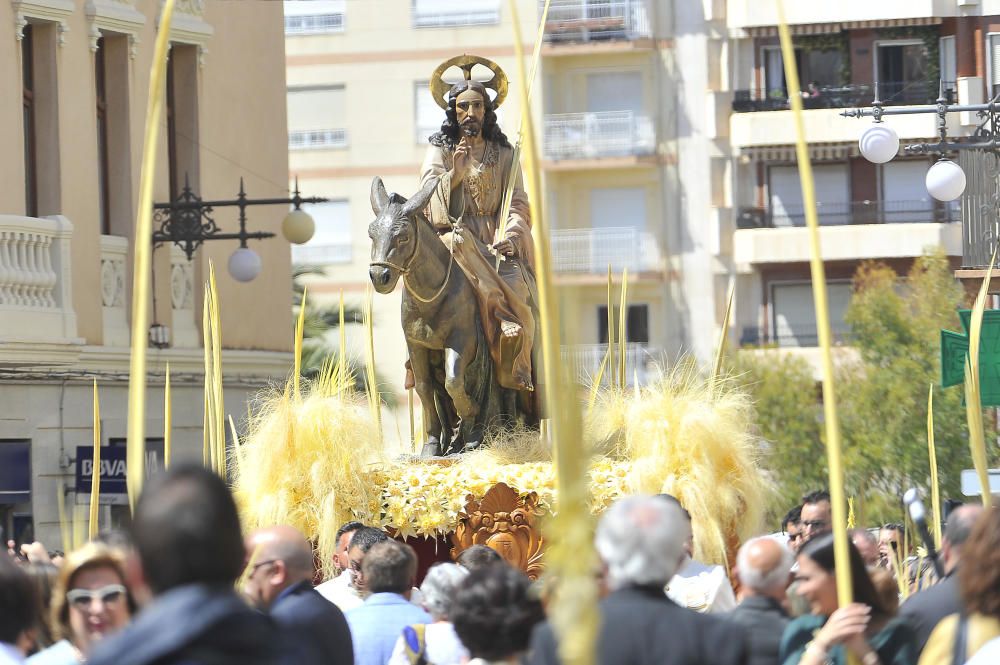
(471, 128)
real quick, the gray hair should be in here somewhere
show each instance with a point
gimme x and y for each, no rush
(641, 541)
(439, 586)
(761, 580)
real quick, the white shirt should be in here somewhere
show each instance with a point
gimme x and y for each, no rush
(988, 654)
(10, 655)
(702, 588)
(341, 592)
(442, 646)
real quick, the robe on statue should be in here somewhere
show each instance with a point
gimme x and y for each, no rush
(507, 297)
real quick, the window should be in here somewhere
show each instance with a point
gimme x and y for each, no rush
(444, 13)
(994, 64)
(794, 315)
(28, 106)
(103, 165)
(832, 183)
(182, 117)
(317, 117)
(617, 91)
(820, 67)
(901, 72)
(904, 195)
(636, 324)
(314, 17)
(332, 242)
(948, 62)
(428, 116)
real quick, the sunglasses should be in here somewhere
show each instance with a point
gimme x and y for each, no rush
(82, 598)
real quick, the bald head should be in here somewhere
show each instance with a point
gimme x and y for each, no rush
(764, 566)
(956, 532)
(279, 557)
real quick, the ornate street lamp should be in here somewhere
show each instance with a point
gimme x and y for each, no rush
(187, 222)
(945, 180)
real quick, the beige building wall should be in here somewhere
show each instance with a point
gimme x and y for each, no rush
(65, 298)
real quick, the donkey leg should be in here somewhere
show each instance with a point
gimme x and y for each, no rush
(423, 384)
(456, 366)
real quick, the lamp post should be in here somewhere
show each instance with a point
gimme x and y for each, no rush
(187, 222)
(945, 180)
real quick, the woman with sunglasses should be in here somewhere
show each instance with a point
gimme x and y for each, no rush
(865, 628)
(90, 601)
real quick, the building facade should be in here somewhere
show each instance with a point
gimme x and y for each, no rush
(77, 75)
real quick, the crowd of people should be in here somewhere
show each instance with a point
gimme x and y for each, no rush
(186, 586)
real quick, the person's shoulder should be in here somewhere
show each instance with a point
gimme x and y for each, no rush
(305, 603)
(804, 624)
(60, 653)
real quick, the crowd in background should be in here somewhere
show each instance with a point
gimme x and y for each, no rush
(186, 586)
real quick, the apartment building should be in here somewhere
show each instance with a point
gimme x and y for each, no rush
(77, 76)
(911, 52)
(359, 106)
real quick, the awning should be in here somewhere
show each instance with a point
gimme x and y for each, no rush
(832, 28)
(818, 152)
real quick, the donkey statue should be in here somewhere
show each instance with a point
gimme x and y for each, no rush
(453, 372)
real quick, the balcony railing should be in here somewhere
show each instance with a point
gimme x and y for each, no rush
(36, 301)
(591, 251)
(892, 93)
(857, 212)
(596, 20)
(445, 13)
(804, 337)
(322, 254)
(317, 139)
(596, 135)
(314, 24)
(584, 362)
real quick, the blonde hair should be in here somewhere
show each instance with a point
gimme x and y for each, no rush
(88, 557)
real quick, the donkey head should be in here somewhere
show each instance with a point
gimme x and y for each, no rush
(394, 233)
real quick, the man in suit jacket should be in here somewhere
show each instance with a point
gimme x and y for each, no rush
(923, 610)
(764, 567)
(313, 630)
(640, 540)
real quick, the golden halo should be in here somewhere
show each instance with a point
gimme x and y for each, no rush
(439, 88)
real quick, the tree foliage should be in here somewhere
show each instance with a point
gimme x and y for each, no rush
(882, 395)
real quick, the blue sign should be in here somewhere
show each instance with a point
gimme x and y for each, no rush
(112, 469)
(15, 472)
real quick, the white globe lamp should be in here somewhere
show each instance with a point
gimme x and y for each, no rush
(945, 180)
(244, 264)
(879, 143)
(298, 227)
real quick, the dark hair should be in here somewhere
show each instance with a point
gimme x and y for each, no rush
(367, 537)
(979, 574)
(820, 550)
(187, 531)
(347, 527)
(389, 567)
(477, 556)
(892, 526)
(815, 497)
(115, 539)
(449, 137)
(18, 601)
(793, 516)
(43, 576)
(670, 498)
(494, 613)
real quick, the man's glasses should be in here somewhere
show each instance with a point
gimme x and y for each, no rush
(253, 568)
(83, 598)
(813, 524)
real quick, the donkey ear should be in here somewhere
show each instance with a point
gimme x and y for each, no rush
(379, 197)
(419, 200)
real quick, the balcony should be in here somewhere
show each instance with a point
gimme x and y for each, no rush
(322, 255)
(36, 301)
(591, 251)
(857, 212)
(583, 361)
(314, 18)
(790, 244)
(320, 139)
(892, 93)
(586, 21)
(448, 13)
(570, 136)
(752, 13)
(802, 337)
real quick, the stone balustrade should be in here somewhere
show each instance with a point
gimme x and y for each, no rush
(35, 279)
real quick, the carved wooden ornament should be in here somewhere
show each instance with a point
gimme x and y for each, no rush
(505, 522)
